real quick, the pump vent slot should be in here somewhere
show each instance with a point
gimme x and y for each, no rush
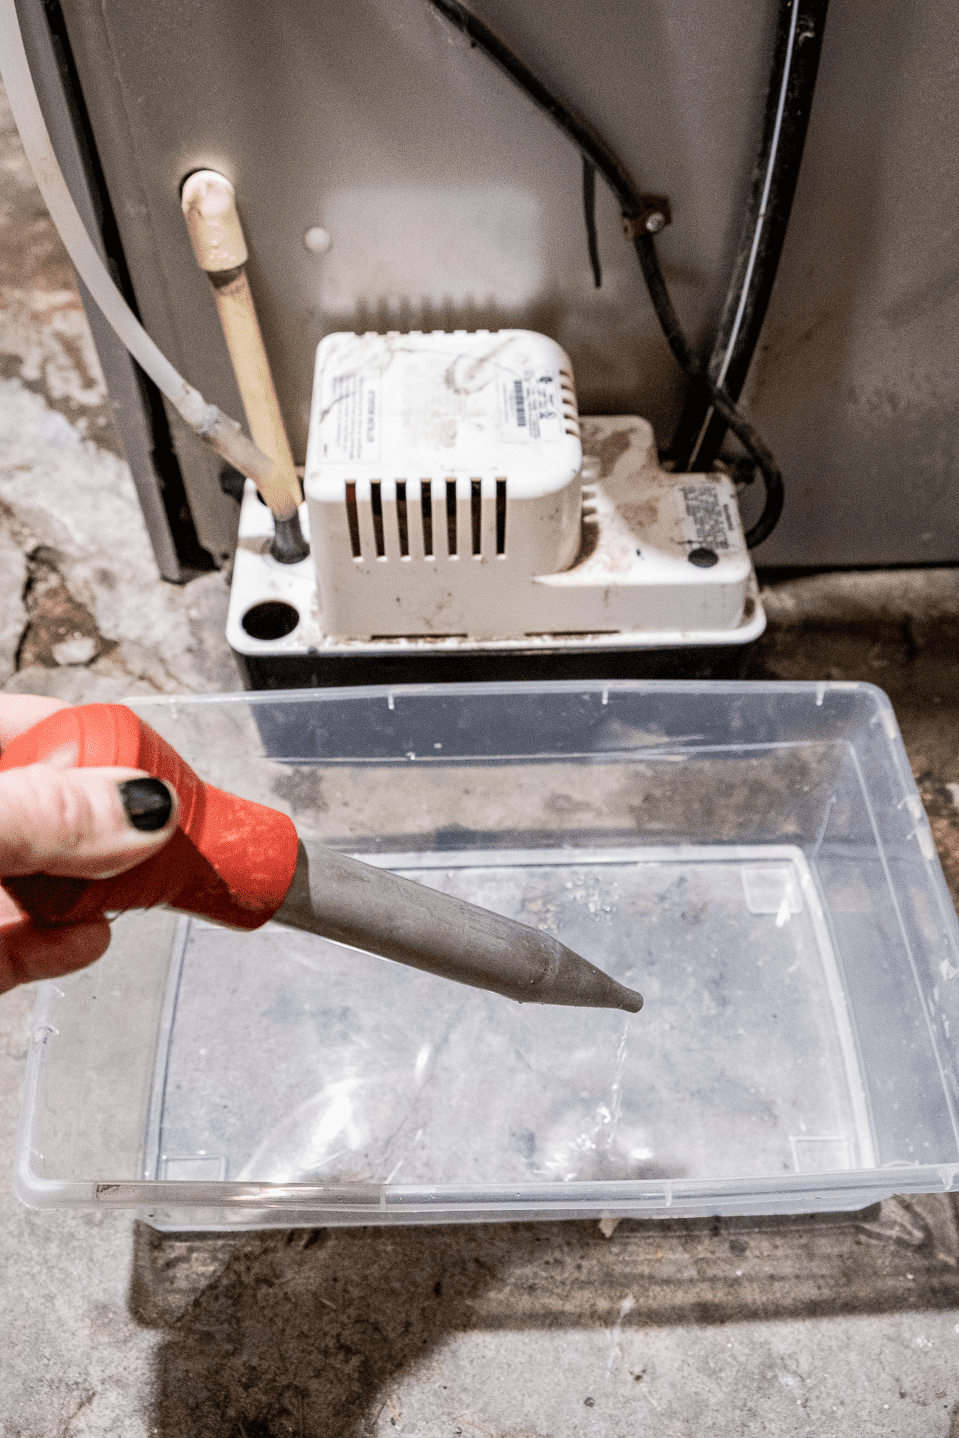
(570, 407)
(376, 505)
(426, 510)
(353, 518)
(402, 520)
(501, 516)
(451, 518)
(476, 515)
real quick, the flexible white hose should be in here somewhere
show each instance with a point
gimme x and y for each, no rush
(216, 428)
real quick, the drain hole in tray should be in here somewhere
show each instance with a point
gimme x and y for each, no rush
(272, 619)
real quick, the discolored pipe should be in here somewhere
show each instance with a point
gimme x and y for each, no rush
(208, 201)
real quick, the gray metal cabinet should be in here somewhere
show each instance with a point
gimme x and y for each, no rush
(451, 202)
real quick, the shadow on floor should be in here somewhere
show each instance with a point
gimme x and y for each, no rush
(297, 1334)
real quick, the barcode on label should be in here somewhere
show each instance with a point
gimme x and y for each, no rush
(532, 408)
(706, 516)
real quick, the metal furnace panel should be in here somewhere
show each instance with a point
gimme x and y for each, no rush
(451, 202)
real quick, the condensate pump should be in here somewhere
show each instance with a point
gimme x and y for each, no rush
(454, 498)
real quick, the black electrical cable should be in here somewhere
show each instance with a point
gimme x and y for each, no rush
(582, 134)
(721, 403)
(589, 215)
(797, 47)
(634, 204)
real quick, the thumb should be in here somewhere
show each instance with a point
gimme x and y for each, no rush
(81, 823)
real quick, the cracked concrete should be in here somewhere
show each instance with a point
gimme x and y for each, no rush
(66, 494)
(60, 631)
(843, 1324)
(45, 343)
(13, 612)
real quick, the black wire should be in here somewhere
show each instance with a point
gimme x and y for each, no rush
(589, 215)
(796, 51)
(597, 151)
(582, 134)
(741, 428)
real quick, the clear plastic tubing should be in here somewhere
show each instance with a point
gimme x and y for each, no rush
(206, 420)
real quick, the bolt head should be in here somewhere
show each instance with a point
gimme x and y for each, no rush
(655, 222)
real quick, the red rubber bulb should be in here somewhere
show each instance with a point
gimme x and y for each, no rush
(230, 860)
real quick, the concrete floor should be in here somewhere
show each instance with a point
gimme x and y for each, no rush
(827, 1326)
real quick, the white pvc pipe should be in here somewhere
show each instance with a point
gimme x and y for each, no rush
(216, 428)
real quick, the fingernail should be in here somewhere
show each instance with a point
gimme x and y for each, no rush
(147, 802)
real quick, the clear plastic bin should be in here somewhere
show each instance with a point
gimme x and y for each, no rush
(753, 857)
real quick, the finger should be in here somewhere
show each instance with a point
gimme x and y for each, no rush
(19, 712)
(10, 910)
(81, 823)
(27, 953)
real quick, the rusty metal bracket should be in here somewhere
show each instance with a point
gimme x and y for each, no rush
(655, 215)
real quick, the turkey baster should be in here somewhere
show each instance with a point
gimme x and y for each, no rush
(239, 863)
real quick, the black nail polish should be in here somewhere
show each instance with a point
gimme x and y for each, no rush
(147, 803)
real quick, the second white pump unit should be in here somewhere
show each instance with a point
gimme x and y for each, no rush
(453, 499)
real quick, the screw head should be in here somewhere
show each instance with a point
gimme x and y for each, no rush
(655, 222)
(317, 240)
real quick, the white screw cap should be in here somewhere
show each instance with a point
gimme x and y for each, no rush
(209, 207)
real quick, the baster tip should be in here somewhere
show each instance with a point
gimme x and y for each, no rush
(574, 980)
(631, 1001)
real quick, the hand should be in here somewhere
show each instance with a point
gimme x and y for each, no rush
(72, 823)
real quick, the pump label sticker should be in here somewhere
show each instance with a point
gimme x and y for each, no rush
(531, 406)
(350, 422)
(709, 520)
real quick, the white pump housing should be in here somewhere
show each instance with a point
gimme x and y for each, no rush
(453, 502)
(441, 470)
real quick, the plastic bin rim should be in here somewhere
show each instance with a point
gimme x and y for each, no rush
(818, 687)
(622, 1196)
